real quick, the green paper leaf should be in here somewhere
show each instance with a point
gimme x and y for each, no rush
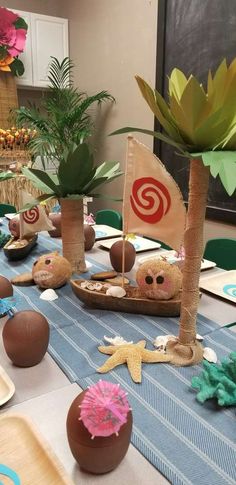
(107, 168)
(156, 134)
(177, 82)
(6, 176)
(153, 101)
(17, 67)
(20, 23)
(223, 164)
(193, 101)
(74, 171)
(41, 180)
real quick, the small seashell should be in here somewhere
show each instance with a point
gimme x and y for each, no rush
(199, 337)
(117, 340)
(210, 355)
(161, 341)
(84, 285)
(107, 285)
(48, 295)
(116, 291)
(91, 286)
(97, 286)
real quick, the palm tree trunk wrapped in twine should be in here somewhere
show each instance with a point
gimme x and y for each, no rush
(72, 231)
(186, 350)
(8, 97)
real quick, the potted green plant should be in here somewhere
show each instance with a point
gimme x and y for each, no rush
(63, 127)
(201, 124)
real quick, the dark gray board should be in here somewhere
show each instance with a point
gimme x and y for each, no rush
(195, 36)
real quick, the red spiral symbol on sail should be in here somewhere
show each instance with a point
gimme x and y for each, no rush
(150, 199)
(31, 216)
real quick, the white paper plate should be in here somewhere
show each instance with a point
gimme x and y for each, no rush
(222, 284)
(7, 387)
(171, 258)
(104, 232)
(10, 216)
(140, 243)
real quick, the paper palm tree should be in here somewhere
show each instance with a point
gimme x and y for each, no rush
(62, 128)
(201, 124)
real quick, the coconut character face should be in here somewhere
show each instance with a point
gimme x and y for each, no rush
(51, 271)
(159, 280)
(14, 227)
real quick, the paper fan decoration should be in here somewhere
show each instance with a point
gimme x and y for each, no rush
(104, 409)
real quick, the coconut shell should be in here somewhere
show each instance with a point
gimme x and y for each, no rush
(101, 454)
(116, 256)
(6, 288)
(159, 280)
(25, 338)
(51, 271)
(89, 237)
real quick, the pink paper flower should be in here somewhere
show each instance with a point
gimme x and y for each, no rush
(13, 31)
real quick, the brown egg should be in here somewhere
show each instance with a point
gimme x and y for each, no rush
(6, 288)
(14, 227)
(101, 454)
(51, 271)
(89, 237)
(116, 256)
(55, 218)
(159, 280)
(25, 338)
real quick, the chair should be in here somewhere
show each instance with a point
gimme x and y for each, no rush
(110, 218)
(222, 252)
(6, 209)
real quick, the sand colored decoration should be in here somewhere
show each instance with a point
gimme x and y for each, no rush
(51, 271)
(104, 452)
(25, 338)
(159, 280)
(131, 354)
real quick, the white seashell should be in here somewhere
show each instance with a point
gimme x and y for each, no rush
(91, 286)
(199, 337)
(48, 295)
(161, 341)
(97, 286)
(117, 340)
(210, 355)
(88, 264)
(84, 285)
(107, 285)
(116, 291)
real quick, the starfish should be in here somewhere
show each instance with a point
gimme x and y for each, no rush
(133, 355)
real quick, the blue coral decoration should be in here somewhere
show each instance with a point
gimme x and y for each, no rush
(4, 238)
(217, 381)
(7, 306)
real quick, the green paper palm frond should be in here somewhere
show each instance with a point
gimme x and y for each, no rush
(197, 120)
(76, 176)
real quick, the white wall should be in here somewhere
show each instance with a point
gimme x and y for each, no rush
(110, 42)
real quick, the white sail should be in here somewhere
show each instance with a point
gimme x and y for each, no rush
(33, 220)
(152, 204)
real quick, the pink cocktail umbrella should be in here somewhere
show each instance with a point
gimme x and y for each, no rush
(104, 409)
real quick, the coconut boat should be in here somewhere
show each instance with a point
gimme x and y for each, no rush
(132, 302)
(16, 249)
(24, 228)
(153, 206)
